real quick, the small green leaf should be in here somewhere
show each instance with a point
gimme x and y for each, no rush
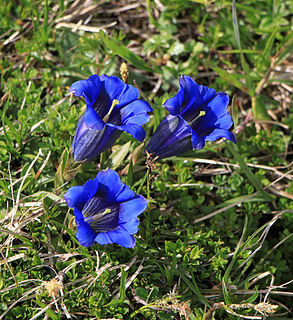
(193, 287)
(130, 174)
(286, 49)
(123, 52)
(71, 168)
(264, 58)
(59, 181)
(259, 108)
(244, 64)
(256, 183)
(235, 111)
(236, 252)
(122, 291)
(225, 293)
(123, 284)
(232, 78)
(118, 156)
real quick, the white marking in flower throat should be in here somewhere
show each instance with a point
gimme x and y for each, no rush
(114, 103)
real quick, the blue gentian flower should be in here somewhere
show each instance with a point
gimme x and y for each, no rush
(112, 106)
(105, 210)
(197, 114)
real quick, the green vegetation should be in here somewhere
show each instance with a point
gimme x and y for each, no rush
(216, 241)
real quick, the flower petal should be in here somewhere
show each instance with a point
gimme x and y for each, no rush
(133, 129)
(197, 141)
(93, 142)
(221, 133)
(113, 86)
(89, 89)
(119, 236)
(216, 115)
(129, 94)
(192, 91)
(195, 97)
(131, 226)
(80, 129)
(135, 108)
(218, 105)
(132, 208)
(79, 218)
(209, 122)
(92, 119)
(85, 235)
(112, 187)
(122, 237)
(171, 138)
(77, 196)
(139, 119)
(103, 238)
(173, 105)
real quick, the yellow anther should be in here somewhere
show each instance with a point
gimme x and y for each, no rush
(201, 114)
(114, 103)
(98, 216)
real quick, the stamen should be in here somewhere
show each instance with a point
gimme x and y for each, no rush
(201, 114)
(114, 103)
(97, 216)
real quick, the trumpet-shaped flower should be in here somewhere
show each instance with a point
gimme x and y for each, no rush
(112, 106)
(197, 114)
(105, 210)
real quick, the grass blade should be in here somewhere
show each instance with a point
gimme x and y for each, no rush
(123, 52)
(258, 186)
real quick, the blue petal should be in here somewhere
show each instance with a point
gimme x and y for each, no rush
(131, 226)
(79, 218)
(122, 237)
(167, 128)
(171, 138)
(77, 196)
(130, 94)
(205, 95)
(139, 119)
(197, 141)
(132, 208)
(173, 105)
(192, 90)
(218, 105)
(112, 188)
(216, 115)
(206, 125)
(195, 97)
(119, 236)
(113, 86)
(85, 235)
(89, 89)
(92, 120)
(221, 133)
(103, 238)
(93, 142)
(135, 108)
(80, 130)
(133, 129)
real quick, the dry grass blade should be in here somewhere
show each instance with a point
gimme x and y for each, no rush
(212, 214)
(78, 26)
(24, 295)
(12, 213)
